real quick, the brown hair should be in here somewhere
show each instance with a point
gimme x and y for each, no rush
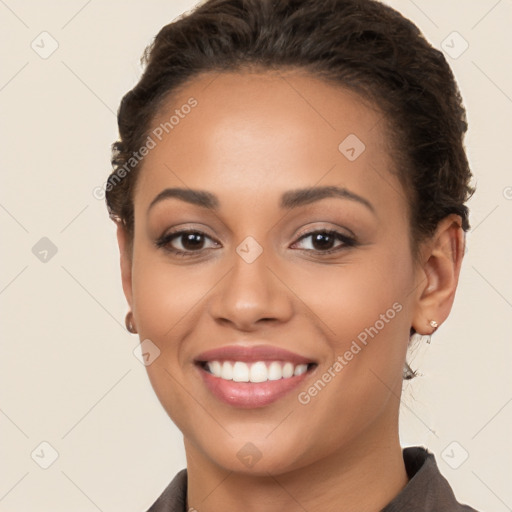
(362, 45)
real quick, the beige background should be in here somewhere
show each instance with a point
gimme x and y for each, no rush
(69, 375)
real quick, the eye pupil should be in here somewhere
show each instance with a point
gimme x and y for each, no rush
(322, 240)
(192, 240)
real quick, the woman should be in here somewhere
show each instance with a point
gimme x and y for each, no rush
(289, 188)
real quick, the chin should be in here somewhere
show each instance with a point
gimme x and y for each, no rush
(255, 455)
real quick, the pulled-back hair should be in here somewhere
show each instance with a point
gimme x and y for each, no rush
(361, 45)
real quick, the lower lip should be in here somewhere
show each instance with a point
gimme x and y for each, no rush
(250, 395)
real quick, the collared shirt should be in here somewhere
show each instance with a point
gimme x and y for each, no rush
(427, 489)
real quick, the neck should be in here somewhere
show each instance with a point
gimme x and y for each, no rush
(364, 477)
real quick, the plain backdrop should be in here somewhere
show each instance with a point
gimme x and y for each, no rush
(70, 378)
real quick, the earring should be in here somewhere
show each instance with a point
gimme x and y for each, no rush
(434, 326)
(128, 321)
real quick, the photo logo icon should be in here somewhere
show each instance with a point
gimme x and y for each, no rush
(454, 45)
(249, 249)
(351, 147)
(454, 455)
(44, 455)
(44, 45)
(146, 352)
(44, 250)
(249, 455)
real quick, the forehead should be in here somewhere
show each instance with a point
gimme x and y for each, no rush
(251, 131)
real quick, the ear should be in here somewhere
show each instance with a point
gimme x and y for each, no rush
(439, 274)
(125, 253)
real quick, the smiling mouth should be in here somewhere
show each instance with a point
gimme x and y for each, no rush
(254, 376)
(255, 372)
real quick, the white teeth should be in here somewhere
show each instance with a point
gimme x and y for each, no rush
(226, 372)
(216, 367)
(300, 369)
(240, 371)
(287, 370)
(275, 372)
(258, 372)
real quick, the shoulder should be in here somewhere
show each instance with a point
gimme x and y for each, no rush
(174, 496)
(427, 489)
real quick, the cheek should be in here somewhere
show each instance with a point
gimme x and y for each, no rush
(365, 318)
(364, 308)
(166, 305)
(164, 294)
(353, 297)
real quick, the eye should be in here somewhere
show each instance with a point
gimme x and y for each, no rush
(324, 241)
(185, 242)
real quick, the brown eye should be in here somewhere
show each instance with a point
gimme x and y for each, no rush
(191, 241)
(324, 241)
(185, 242)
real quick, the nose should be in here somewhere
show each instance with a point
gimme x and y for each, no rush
(251, 295)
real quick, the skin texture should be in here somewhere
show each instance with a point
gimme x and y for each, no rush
(252, 137)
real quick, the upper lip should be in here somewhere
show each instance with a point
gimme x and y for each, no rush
(251, 354)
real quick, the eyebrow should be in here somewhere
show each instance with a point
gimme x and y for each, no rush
(303, 196)
(197, 197)
(289, 200)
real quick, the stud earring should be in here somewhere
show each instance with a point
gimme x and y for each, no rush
(128, 321)
(434, 326)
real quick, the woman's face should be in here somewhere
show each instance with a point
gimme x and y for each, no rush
(302, 247)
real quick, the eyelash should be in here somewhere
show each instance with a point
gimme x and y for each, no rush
(164, 241)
